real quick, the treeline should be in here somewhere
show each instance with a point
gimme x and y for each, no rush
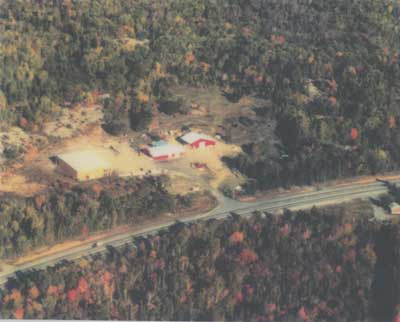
(308, 167)
(315, 265)
(63, 213)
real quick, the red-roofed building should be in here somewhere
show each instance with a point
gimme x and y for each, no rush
(198, 140)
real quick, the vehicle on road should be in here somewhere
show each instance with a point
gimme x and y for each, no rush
(97, 244)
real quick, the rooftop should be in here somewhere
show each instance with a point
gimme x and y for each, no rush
(159, 143)
(192, 137)
(84, 160)
(167, 149)
(394, 205)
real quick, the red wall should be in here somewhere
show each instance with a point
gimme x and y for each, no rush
(161, 158)
(197, 143)
(167, 157)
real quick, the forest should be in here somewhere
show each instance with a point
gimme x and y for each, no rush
(64, 213)
(325, 264)
(329, 69)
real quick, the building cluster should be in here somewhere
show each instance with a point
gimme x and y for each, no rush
(88, 164)
(163, 151)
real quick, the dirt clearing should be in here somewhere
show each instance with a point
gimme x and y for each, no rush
(73, 120)
(9, 183)
(124, 159)
(215, 171)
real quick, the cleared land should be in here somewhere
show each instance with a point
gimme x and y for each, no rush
(79, 128)
(215, 171)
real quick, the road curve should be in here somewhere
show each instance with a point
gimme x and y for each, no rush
(335, 194)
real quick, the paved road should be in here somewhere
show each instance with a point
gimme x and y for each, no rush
(329, 195)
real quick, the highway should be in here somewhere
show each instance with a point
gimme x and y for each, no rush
(329, 195)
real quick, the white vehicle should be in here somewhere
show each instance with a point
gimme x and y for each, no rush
(97, 244)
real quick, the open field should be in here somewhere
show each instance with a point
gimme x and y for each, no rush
(125, 161)
(215, 172)
(79, 128)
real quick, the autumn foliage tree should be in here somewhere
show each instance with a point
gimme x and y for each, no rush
(63, 213)
(209, 271)
(354, 134)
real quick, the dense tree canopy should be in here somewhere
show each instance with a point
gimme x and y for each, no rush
(63, 213)
(329, 68)
(316, 265)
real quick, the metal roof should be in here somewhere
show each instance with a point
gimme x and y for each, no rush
(394, 205)
(84, 160)
(192, 137)
(160, 143)
(167, 149)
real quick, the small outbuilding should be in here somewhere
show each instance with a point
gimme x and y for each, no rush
(165, 152)
(394, 208)
(197, 140)
(82, 165)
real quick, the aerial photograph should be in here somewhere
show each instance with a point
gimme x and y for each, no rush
(200, 160)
